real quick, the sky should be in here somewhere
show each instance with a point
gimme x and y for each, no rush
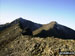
(39, 11)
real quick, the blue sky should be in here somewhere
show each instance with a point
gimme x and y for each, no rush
(40, 11)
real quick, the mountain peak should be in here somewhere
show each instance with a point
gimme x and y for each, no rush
(20, 18)
(53, 22)
(50, 25)
(23, 23)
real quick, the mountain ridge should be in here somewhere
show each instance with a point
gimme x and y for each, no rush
(50, 29)
(45, 40)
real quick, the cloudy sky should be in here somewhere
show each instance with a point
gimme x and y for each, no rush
(40, 11)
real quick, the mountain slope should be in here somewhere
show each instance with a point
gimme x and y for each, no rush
(55, 29)
(4, 26)
(9, 34)
(51, 29)
(23, 38)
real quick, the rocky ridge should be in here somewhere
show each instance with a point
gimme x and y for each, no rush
(18, 39)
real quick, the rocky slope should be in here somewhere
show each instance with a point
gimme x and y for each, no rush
(24, 38)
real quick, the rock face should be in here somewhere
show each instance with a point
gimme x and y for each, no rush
(25, 38)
